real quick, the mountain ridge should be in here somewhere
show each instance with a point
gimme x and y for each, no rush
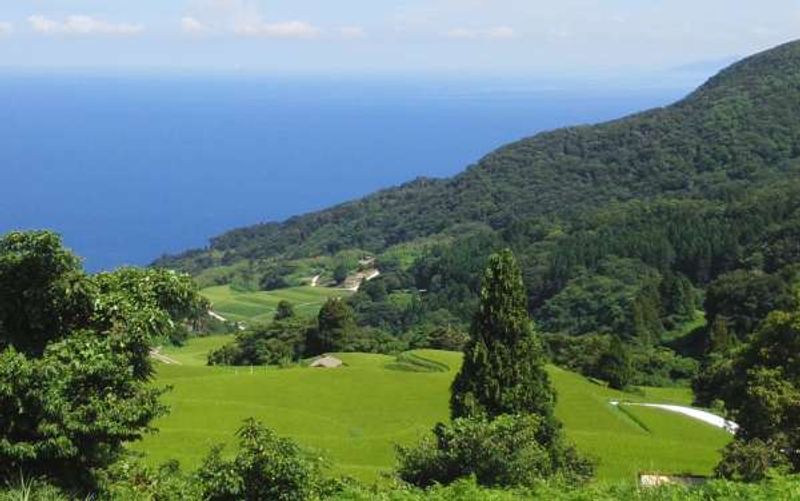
(736, 130)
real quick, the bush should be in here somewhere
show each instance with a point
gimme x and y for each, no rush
(447, 338)
(751, 461)
(507, 451)
(614, 366)
(133, 480)
(266, 466)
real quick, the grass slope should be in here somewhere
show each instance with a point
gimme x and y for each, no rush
(261, 305)
(355, 414)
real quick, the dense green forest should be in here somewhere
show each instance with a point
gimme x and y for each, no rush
(626, 231)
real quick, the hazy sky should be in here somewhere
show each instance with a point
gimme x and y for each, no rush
(377, 36)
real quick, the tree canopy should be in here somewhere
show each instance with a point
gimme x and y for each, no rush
(74, 357)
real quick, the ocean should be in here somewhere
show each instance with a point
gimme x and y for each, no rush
(129, 167)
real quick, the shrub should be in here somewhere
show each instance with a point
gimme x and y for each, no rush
(750, 461)
(614, 366)
(507, 451)
(129, 480)
(266, 466)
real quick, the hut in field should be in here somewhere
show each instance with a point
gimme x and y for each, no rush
(327, 362)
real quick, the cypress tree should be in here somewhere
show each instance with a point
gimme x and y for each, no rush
(503, 370)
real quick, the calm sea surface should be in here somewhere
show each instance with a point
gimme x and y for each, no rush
(129, 168)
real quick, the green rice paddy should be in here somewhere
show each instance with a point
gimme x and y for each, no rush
(355, 414)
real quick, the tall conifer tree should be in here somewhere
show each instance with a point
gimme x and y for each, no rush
(503, 370)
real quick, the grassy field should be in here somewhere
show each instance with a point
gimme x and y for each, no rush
(261, 305)
(355, 414)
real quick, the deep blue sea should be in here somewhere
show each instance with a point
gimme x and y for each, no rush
(127, 168)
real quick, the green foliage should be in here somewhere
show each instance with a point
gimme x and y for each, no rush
(623, 299)
(505, 451)
(277, 343)
(336, 328)
(738, 129)
(503, 370)
(43, 292)
(265, 466)
(285, 310)
(760, 387)
(447, 338)
(31, 489)
(738, 301)
(751, 460)
(647, 365)
(74, 365)
(614, 366)
(618, 227)
(132, 480)
(340, 273)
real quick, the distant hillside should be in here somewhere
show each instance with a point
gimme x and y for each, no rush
(739, 131)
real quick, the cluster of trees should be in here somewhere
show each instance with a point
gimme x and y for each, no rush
(757, 383)
(74, 357)
(289, 338)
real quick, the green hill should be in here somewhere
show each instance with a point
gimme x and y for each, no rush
(742, 127)
(355, 414)
(619, 227)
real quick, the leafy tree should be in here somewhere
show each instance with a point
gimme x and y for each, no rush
(265, 466)
(503, 370)
(132, 479)
(284, 310)
(335, 327)
(74, 365)
(447, 338)
(615, 365)
(751, 460)
(340, 273)
(761, 391)
(44, 293)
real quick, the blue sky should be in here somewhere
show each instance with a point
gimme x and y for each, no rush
(561, 37)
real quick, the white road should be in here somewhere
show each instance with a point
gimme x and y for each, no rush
(698, 414)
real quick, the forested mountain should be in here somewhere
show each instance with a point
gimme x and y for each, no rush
(620, 228)
(742, 127)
